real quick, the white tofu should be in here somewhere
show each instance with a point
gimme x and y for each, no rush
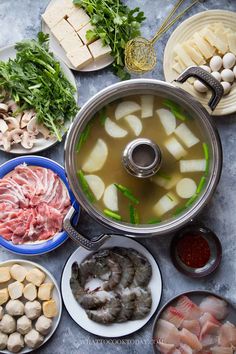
(57, 11)
(35, 276)
(4, 274)
(80, 57)
(51, 18)
(62, 29)
(99, 51)
(78, 19)
(83, 31)
(71, 42)
(15, 290)
(18, 272)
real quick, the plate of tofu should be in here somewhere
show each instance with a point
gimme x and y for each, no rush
(30, 306)
(67, 25)
(207, 39)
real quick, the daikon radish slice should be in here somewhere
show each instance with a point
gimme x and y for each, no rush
(96, 185)
(167, 119)
(165, 204)
(192, 165)
(125, 108)
(114, 130)
(147, 102)
(135, 124)
(110, 197)
(186, 135)
(96, 158)
(186, 188)
(175, 148)
(165, 182)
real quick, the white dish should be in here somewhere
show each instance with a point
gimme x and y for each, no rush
(55, 295)
(56, 48)
(78, 314)
(41, 143)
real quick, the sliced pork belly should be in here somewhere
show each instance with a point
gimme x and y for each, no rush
(222, 350)
(190, 310)
(174, 316)
(227, 335)
(165, 348)
(185, 349)
(208, 317)
(217, 307)
(192, 325)
(190, 339)
(166, 332)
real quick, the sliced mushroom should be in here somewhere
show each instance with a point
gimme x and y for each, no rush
(27, 140)
(44, 131)
(32, 126)
(12, 106)
(15, 136)
(3, 126)
(5, 141)
(3, 108)
(26, 117)
(12, 123)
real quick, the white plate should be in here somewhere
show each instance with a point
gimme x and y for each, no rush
(56, 48)
(55, 295)
(78, 314)
(41, 143)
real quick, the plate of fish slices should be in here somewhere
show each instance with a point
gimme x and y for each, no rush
(114, 291)
(198, 322)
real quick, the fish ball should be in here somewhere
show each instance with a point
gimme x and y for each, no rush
(33, 339)
(15, 342)
(15, 308)
(206, 68)
(3, 340)
(199, 86)
(227, 75)
(43, 325)
(23, 325)
(216, 75)
(229, 60)
(226, 87)
(7, 324)
(216, 63)
(33, 309)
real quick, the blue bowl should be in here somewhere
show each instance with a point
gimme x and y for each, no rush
(60, 237)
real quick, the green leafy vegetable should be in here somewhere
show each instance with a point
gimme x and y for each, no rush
(34, 79)
(112, 214)
(175, 109)
(115, 24)
(85, 186)
(191, 200)
(179, 210)
(201, 184)
(206, 154)
(133, 214)
(163, 175)
(83, 137)
(154, 221)
(127, 193)
(102, 116)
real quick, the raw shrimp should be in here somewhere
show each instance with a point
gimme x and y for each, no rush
(106, 314)
(126, 265)
(127, 307)
(143, 303)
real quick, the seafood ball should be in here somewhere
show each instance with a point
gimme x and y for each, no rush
(234, 71)
(227, 75)
(33, 339)
(226, 87)
(43, 325)
(199, 87)
(216, 75)
(216, 63)
(1, 312)
(206, 68)
(15, 308)
(7, 324)
(229, 60)
(23, 325)
(15, 342)
(33, 309)
(3, 340)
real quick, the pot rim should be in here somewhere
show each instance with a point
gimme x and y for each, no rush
(114, 92)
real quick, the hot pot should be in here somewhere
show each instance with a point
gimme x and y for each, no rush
(159, 88)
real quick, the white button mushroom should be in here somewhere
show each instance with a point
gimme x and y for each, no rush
(23, 325)
(3, 340)
(216, 63)
(216, 75)
(15, 342)
(33, 309)
(206, 68)
(15, 308)
(7, 324)
(43, 325)
(33, 339)
(199, 86)
(229, 60)
(226, 87)
(227, 75)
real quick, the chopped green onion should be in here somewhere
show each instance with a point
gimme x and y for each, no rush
(163, 175)
(85, 186)
(206, 150)
(179, 115)
(133, 214)
(172, 105)
(154, 221)
(127, 193)
(201, 184)
(102, 115)
(170, 197)
(112, 214)
(191, 200)
(179, 210)
(83, 137)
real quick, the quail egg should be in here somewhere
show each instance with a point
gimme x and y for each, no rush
(216, 63)
(216, 75)
(226, 87)
(229, 60)
(227, 75)
(199, 86)
(206, 68)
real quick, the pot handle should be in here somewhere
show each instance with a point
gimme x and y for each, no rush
(90, 245)
(208, 80)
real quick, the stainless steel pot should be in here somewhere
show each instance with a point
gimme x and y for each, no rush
(159, 88)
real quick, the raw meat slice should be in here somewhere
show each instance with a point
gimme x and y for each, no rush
(165, 348)
(166, 332)
(185, 349)
(174, 316)
(190, 310)
(217, 307)
(221, 350)
(190, 339)
(209, 340)
(176, 351)
(209, 328)
(208, 317)
(192, 325)
(227, 335)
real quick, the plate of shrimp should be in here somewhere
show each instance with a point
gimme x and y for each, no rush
(114, 291)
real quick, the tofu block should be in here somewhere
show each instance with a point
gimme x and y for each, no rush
(175, 148)
(231, 37)
(83, 31)
(30, 292)
(15, 290)
(35, 276)
(62, 29)
(215, 41)
(80, 57)
(51, 18)
(71, 42)
(183, 55)
(194, 54)
(99, 51)
(4, 296)
(57, 11)
(4, 274)
(165, 204)
(203, 46)
(18, 272)
(45, 291)
(50, 308)
(78, 19)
